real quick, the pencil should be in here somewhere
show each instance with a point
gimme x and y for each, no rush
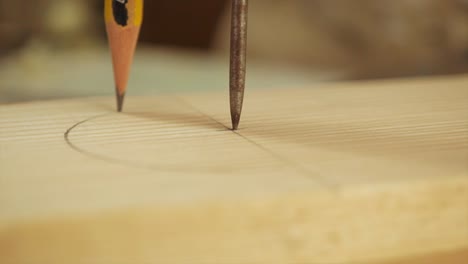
(123, 22)
(238, 60)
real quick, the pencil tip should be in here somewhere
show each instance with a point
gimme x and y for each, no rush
(120, 101)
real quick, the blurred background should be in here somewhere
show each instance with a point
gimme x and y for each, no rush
(57, 48)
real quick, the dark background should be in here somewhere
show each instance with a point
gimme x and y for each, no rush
(182, 23)
(363, 39)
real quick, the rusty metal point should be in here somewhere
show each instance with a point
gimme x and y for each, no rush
(238, 60)
(235, 121)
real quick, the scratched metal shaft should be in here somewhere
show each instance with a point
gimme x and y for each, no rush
(238, 59)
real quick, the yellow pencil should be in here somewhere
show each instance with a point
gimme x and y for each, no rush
(123, 22)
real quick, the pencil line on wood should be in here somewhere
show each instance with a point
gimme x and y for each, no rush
(309, 174)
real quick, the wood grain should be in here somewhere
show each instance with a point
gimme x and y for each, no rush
(362, 172)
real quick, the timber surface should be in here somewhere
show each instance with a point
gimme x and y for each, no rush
(359, 172)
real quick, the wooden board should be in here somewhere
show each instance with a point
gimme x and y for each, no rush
(338, 173)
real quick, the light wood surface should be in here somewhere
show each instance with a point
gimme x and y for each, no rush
(362, 172)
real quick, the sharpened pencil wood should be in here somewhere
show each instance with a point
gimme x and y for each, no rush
(123, 22)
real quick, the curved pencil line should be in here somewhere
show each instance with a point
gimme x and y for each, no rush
(301, 169)
(97, 156)
(123, 162)
(66, 136)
